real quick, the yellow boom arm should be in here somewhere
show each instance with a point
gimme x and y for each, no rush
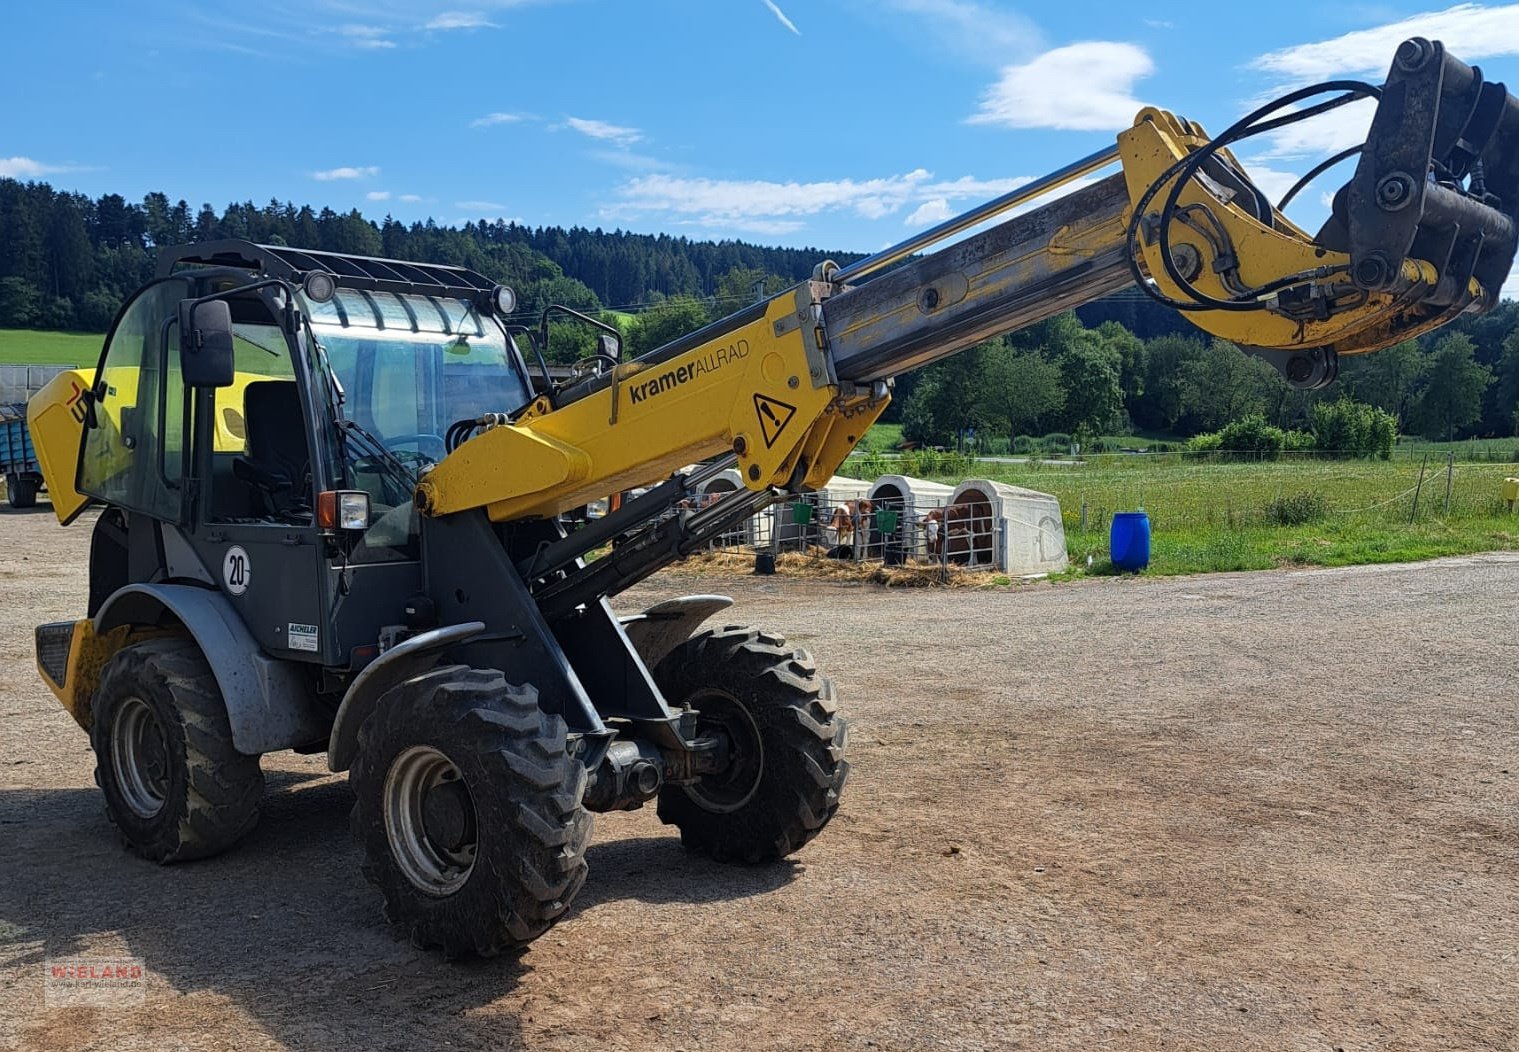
(1424, 231)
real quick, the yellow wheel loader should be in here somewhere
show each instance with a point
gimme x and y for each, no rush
(334, 510)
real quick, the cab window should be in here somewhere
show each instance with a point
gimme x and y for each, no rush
(260, 460)
(131, 456)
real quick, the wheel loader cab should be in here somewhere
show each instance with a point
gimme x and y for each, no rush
(209, 484)
(350, 391)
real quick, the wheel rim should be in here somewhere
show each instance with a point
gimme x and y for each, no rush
(430, 820)
(139, 758)
(728, 790)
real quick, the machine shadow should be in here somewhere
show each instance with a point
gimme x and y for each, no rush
(658, 870)
(284, 926)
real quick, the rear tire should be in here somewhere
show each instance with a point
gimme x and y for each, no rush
(21, 492)
(787, 743)
(468, 808)
(175, 787)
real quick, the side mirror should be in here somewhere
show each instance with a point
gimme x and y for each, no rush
(609, 345)
(205, 343)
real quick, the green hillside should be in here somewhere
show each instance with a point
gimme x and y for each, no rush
(30, 347)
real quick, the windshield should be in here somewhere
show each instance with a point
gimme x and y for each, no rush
(412, 365)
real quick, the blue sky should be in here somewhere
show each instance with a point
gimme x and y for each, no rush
(844, 124)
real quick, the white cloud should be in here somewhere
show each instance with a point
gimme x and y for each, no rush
(366, 36)
(935, 210)
(976, 32)
(1322, 135)
(1470, 31)
(332, 174)
(726, 200)
(781, 17)
(26, 168)
(766, 207)
(1081, 87)
(480, 206)
(614, 133)
(491, 119)
(411, 199)
(626, 159)
(765, 227)
(459, 20)
(377, 195)
(1272, 182)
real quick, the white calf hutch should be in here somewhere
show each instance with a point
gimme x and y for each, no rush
(793, 534)
(1015, 530)
(900, 525)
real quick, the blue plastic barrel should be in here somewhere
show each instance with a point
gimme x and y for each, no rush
(1129, 540)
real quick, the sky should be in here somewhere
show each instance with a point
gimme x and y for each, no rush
(844, 125)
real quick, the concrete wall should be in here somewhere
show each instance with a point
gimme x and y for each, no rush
(20, 382)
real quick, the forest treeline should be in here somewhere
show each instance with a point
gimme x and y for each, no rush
(1123, 363)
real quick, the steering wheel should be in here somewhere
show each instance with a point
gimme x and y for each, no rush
(606, 361)
(420, 439)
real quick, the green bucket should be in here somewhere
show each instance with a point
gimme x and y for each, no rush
(886, 520)
(801, 514)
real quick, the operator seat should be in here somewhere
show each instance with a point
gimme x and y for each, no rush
(277, 467)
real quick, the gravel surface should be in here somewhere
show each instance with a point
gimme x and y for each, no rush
(1256, 811)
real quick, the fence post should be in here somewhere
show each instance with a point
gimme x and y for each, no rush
(1083, 514)
(1417, 489)
(1450, 471)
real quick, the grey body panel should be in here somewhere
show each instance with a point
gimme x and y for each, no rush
(397, 665)
(287, 583)
(664, 626)
(180, 560)
(270, 703)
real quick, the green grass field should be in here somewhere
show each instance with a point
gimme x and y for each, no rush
(27, 347)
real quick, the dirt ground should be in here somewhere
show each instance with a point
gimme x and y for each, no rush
(1263, 811)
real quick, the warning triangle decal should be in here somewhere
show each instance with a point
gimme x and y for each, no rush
(773, 415)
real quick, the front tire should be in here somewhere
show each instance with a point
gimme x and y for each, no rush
(787, 742)
(175, 786)
(468, 808)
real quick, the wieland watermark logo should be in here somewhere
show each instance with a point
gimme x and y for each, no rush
(96, 981)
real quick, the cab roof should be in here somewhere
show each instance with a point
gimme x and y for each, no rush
(355, 272)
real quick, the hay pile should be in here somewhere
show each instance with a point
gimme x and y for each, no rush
(814, 567)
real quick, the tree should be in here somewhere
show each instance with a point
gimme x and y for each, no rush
(1162, 402)
(668, 320)
(1089, 373)
(1506, 388)
(1452, 398)
(1021, 390)
(1347, 428)
(1388, 379)
(736, 289)
(1132, 357)
(1223, 384)
(19, 303)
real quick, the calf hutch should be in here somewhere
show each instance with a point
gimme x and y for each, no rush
(807, 519)
(901, 526)
(1013, 529)
(744, 534)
